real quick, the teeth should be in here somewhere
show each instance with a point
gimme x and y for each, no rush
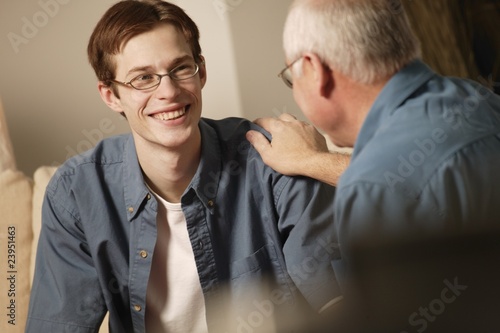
(170, 115)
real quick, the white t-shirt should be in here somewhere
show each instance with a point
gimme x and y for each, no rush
(174, 301)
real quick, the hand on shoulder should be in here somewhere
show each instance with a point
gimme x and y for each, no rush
(296, 148)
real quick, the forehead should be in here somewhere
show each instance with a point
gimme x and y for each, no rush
(155, 48)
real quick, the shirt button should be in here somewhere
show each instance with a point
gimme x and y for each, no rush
(143, 254)
(131, 209)
(210, 203)
(137, 308)
(149, 196)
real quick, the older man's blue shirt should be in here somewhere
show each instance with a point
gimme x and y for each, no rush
(426, 159)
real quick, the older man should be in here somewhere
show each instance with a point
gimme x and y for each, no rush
(425, 163)
(426, 147)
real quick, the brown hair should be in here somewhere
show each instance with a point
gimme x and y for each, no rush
(129, 18)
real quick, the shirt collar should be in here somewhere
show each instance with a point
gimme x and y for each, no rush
(399, 88)
(204, 184)
(134, 188)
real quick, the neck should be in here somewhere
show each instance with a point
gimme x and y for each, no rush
(356, 99)
(169, 171)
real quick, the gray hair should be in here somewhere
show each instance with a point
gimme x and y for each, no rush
(366, 40)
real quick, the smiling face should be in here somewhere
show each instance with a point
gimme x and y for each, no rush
(167, 115)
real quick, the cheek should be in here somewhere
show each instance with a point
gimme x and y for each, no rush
(304, 102)
(194, 92)
(139, 98)
(316, 113)
(297, 96)
(134, 102)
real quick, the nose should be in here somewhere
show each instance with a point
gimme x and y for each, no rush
(167, 89)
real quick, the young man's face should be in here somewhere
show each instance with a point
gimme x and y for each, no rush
(167, 115)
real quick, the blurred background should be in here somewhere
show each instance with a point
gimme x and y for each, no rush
(49, 90)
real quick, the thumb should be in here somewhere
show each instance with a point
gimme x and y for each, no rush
(258, 141)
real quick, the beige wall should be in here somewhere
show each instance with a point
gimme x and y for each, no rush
(256, 27)
(49, 91)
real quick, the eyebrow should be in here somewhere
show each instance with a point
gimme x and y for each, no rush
(173, 64)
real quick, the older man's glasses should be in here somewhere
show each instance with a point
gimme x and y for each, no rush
(286, 74)
(152, 80)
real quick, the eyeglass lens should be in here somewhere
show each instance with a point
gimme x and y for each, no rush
(146, 81)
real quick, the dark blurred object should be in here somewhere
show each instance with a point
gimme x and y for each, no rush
(484, 18)
(459, 37)
(438, 283)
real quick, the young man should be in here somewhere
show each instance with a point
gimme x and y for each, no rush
(172, 225)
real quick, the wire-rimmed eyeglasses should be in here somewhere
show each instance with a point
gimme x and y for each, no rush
(153, 80)
(286, 74)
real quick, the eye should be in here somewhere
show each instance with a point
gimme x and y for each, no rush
(144, 77)
(145, 81)
(184, 70)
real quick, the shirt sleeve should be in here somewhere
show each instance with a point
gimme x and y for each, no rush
(305, 209)
(66, 295)
(366, 210)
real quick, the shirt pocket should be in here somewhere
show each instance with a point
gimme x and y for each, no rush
(259, 279)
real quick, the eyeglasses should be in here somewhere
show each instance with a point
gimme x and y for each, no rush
(286, 74)
(152, 80)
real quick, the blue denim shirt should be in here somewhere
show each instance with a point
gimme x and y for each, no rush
(249, 227)
(427, 159)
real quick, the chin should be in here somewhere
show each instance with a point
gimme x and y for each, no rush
(339, 142)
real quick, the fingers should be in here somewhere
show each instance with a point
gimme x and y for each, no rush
(272, 124)
(264, 122)
(287, 117)
(258, 141)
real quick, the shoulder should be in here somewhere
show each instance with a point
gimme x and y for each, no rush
(91, 164)
(239, 155)
(109, 150)
(229, 135)
(425, 132)
(232, 128)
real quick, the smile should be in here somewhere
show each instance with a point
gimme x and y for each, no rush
(171, 115)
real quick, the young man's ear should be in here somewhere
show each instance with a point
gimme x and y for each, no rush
(109, 97)
(322, 74)
(203, 71)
